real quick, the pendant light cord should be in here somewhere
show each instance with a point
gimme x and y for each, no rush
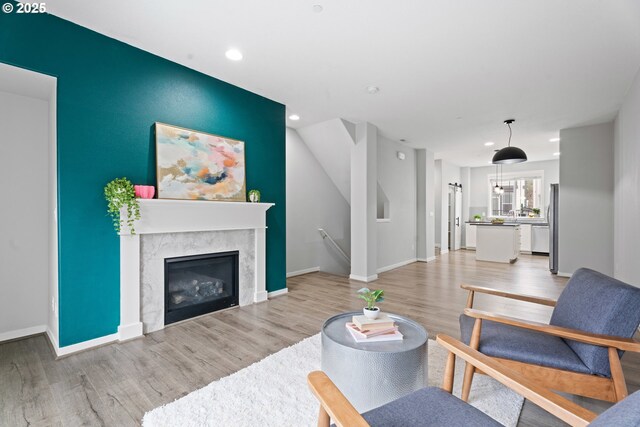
(509, 144)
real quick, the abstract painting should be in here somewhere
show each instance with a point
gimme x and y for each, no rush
(199, 166)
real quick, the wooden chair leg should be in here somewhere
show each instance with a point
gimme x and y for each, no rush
(449, 369)
(469, 370)
(619, 383)
(323, 418)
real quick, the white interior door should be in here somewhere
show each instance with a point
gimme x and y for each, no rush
(458, 219)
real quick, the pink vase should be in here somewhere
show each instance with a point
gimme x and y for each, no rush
(145, 191)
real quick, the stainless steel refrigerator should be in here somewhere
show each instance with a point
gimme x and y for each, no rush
(552, 217)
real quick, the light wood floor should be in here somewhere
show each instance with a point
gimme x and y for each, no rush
(118, 383)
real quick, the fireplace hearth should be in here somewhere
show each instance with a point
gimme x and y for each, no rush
(200, 284)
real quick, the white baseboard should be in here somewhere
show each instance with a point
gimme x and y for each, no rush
(130, 331)
(278, 293)
(444, 251)
(19, 333)
(53, 341)
(397, 265)
(363, 278)
(96, 342)
(561, 274)
(301, 272)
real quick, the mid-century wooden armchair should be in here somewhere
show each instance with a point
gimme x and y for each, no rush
(432, 406)
(578, 352)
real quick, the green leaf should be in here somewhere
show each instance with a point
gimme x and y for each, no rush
(363, 290)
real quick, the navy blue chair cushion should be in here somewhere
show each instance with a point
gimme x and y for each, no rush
(429, 406)
(596, 303)
(510, 342)
(623, 413)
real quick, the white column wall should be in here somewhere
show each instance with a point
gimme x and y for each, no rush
(585, 224)
(363, 204)
(627, 184)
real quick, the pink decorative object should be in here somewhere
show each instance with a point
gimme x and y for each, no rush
(145, 191)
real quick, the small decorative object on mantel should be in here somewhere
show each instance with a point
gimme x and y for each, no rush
(120, 193)
(254, 196)
(371, 297)
(145, 191)
(477, 217)
(195, 165)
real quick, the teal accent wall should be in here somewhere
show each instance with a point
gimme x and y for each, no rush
(109, 96)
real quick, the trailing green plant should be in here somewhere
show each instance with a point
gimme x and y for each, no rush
(371, 297)
(120, 193)
(536, 211)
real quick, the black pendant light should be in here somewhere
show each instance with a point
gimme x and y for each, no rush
(509, 154)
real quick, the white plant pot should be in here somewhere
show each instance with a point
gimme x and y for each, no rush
(371, 314)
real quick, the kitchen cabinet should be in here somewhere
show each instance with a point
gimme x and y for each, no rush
(525, 238)
(470, 236)
(497, 243)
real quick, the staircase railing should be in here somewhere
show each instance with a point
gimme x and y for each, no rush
(325, 235)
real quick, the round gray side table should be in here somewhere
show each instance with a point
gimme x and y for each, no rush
(372, 374)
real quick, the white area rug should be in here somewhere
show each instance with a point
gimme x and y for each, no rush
(274, 392)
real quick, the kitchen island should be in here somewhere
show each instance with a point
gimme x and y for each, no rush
(497, 242)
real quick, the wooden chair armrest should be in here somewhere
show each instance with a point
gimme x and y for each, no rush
(334, 402)
(506, 294)
(553, 403)
(626, 344)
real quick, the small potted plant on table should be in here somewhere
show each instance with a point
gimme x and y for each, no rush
(371, 311)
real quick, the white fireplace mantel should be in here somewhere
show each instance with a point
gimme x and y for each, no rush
(180, 216)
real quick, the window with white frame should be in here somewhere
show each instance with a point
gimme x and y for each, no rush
(516, 194)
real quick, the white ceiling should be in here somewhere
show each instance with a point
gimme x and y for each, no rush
(449, 71)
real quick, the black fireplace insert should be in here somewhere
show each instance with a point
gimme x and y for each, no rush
(199, 284)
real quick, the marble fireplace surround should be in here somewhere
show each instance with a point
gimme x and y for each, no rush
(170, 228)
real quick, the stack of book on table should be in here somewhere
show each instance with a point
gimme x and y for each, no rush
(363, 329)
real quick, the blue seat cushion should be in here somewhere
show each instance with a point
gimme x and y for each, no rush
(596, 303)
(623, 413)
(510, 342)
(430, 406)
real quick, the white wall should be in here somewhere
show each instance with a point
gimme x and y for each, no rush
(437, 193)
(313, 201)
(24, 246)
(479, 185)
(626, 222)
(397, 178)
(364, 175)
(330, 143)
(425, 200)
(585, 224)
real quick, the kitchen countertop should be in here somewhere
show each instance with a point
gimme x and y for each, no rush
(534, 224)
(489, 224)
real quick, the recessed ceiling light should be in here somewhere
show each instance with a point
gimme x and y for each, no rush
(372, 90)
(554, 140)
(403, 140)
(488, 143)
(317, 8)
(233, 54)
(556, 153)
(294, 117)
